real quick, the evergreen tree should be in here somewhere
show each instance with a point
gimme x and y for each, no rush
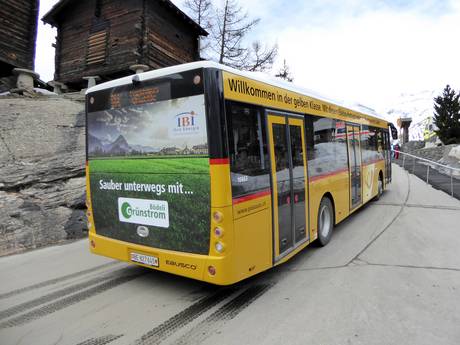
(447, 116)
(284, 72)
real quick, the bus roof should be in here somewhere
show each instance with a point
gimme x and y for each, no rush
(257, 76)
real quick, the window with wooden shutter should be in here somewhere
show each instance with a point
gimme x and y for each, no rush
(97, 47)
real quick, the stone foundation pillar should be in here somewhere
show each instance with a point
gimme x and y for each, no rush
(92, 80)
(25, 80)
(139, 68)
(58, 87)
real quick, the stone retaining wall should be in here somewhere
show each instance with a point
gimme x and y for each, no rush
(42, 184)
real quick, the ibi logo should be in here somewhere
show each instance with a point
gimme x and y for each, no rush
(186, 123)
(186, 119)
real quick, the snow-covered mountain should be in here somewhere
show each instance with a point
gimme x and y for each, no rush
(120, 145)
(418, 106)
(117, 147)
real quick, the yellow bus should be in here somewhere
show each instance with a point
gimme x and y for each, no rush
(214, 174)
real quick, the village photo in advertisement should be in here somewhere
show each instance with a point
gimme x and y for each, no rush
(167, 128)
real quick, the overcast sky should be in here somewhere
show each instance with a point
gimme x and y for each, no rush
(367, 51)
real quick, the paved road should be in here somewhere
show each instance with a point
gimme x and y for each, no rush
(390, 275)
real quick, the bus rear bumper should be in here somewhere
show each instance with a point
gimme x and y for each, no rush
(188, 265)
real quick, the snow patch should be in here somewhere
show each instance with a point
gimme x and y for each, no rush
(455, 152)
(44, 91)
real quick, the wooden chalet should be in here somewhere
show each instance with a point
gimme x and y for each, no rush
(18, 28)
(105, 37)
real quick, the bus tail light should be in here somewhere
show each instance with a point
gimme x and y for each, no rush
(93, 244)
(218, 217)
(218, 231)
(212, 270)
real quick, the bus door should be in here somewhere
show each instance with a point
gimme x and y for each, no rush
(286, 138)
(354, 165)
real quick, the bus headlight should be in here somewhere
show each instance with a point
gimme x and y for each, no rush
(219, 247)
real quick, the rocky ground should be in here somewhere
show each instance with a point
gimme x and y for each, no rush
(42, 184)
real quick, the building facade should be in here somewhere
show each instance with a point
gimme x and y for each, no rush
(105, 37)
(18, 28)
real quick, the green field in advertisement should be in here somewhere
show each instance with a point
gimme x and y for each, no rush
(186, 196)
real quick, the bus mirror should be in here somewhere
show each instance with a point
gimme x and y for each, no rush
(394, 131)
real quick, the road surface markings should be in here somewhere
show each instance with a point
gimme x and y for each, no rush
(56, 280)
(70, 300)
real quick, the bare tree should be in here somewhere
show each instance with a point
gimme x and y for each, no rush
(201, 12)
(261, 58)
(229, 26)
(284, 72)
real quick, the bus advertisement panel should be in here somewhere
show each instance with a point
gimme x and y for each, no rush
(149, 166)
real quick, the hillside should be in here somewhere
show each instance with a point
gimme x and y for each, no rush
(418, 106)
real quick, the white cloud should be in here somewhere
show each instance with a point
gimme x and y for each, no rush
(359, 50)
(44, 54)
(376, 55)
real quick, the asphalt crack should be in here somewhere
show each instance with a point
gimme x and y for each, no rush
(388, 225)
(434, 207)
(367, 263)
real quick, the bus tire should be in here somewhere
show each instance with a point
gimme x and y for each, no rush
(325, 221)
(379, 189)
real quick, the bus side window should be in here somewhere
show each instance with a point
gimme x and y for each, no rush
(369, 147)
(249, 168)
(326, 145)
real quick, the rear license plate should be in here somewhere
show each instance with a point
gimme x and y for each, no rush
(144, 259)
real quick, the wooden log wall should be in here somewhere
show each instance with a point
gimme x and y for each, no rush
(88, 45)
(18, 28)
(121, 33)
(169, 40)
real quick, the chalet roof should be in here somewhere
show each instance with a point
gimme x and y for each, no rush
(50, 17)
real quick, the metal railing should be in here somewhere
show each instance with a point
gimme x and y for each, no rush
(439, 171)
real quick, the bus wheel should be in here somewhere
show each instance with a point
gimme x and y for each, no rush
(325, 221)
(379, 190)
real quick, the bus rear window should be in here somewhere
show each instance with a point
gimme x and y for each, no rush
(161, 117)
